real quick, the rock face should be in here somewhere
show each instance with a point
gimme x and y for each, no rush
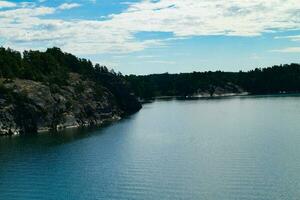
(229, 89)
(29, 107)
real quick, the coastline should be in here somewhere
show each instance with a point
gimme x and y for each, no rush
(76, 126)
(115, 118)
(61, 128)
(31, 107)
(198, 96)
(244, 94)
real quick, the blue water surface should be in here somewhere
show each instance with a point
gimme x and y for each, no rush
(224, 148)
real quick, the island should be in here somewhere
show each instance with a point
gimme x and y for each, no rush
(53, 90)
(279, 79)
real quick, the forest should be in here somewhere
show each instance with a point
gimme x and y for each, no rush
(271, 80)
(53, 67)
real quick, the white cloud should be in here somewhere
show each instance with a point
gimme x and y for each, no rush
(161, 62)
(7, 4)
(288, 50)
(255, 56)
(292, 37)
(23, 13)
(211, 17)
(26, 28)
(67, 6)
(146, 56)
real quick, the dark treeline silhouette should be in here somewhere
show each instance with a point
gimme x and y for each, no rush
(271, 80)
(53, 68)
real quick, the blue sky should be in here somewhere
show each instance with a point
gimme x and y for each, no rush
(157, 36)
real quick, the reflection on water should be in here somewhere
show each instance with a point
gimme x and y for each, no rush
(220, 148)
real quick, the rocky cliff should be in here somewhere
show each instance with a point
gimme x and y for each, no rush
(28, 106)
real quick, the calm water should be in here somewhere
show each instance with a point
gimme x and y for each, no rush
(231, 148)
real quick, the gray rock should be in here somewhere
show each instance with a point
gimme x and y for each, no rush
(34, 107)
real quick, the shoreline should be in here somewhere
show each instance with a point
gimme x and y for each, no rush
(62, 128)
(115, 119)
(200, 96)
(244, 94)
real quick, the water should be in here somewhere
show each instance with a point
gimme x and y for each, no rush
(228, 148)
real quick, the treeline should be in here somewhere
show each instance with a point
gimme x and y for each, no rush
(272, 80)
(53, 68)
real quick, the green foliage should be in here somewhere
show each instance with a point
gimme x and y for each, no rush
(68, 105)
(10, 63)
(6, 92)
(54, 88)
(54, 66)
(51, 67)
(98, 92)
(79, 88)
(276, 79)
(2, 88)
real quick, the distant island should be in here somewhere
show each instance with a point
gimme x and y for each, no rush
(54, 90)
(272, 80)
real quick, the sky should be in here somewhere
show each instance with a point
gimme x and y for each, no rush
(158, 36)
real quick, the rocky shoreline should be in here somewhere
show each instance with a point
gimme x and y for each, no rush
(28, 107)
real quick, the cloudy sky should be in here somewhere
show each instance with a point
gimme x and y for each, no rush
(155, 36)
